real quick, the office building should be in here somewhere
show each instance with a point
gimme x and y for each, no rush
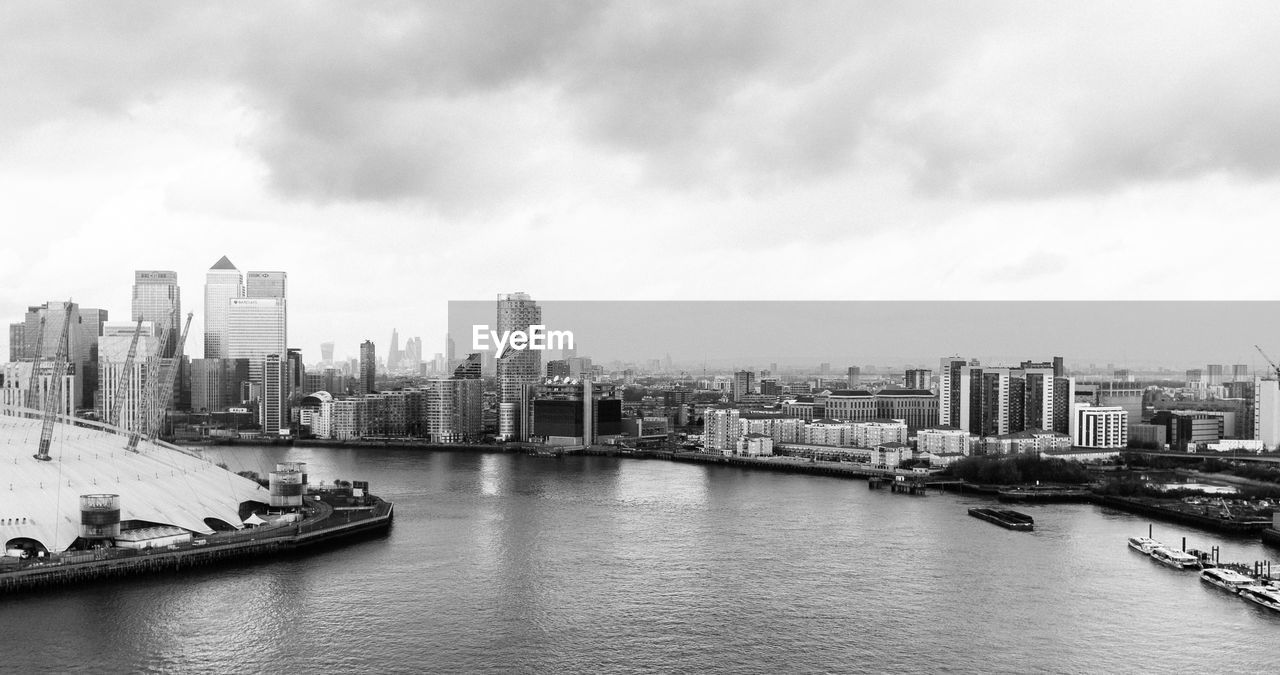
(917, 407)
(1100, 426)
(326, 353)
(265, 285)
(1240, 373)
(393, 353)
(216, 383)
(368, 369)
(16, 386)
(573, 413)
(157, 298)
(1189, 429)
(918, 378)
(122, 391)
(517, 368)
(221, 283)
(17, 342)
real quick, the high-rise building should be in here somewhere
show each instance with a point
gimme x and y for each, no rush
(558, 368)
(743, 384)
(157, 298)
(854, 376)
(54, 318)
(216, 383)
(1240, 373)
(452, 409)
(326, 353)
(256, 327)
(368, 368)
(113, 352)
(273, 411)
(17, 342)
(470, 368)
(1266, 412)
(918, 378)
(265, 284)
(517, 368)
(720, 428)
(393, 354)
(1214, 373)
(221, 283)
(949, 390)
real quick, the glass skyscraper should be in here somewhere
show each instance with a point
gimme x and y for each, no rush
(517, 368)
(221, 284)
(156, 298)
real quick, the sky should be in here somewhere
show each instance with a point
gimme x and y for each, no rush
(394, 156)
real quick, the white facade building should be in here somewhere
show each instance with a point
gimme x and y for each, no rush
(1266, 412)
(221, 283)
(720, 428)
(1100, 426)
(945, 441)
(873, 433)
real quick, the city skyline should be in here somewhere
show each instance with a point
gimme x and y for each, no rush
(972, 166)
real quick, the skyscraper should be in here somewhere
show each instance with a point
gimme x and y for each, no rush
(517, 369)
(221, 284)
(854, 377)
(393, 354)
(256, 331)
(368, 368)
(156, 298)
(113, 351)
(265, 285)
(326, 353)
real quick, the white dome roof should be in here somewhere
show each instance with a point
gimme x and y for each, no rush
(160, 483)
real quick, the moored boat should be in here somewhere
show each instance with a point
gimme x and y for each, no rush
(1006, 518)
(1144, 545)
(1228, 580)
(1174, 558)
(1261, 595)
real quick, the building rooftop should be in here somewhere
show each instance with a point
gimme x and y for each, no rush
(223, 264)
(157, 484)
(851, 392)
(905, 392)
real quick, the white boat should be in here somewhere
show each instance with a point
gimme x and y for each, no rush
(1144, 545)
(1175, 558)
(1262, 595)
(1227, 580)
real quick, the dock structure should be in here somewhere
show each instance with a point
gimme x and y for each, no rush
(332, 525)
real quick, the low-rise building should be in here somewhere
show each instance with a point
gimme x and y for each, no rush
(945, 440)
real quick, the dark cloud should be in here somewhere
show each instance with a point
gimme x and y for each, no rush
(454, 103)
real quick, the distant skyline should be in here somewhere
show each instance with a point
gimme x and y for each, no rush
(392, 157)
(755, 333)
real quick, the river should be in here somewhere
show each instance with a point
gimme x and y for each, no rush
(590, 564)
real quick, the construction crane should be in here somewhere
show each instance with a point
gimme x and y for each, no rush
(1274, 367)
(148, 401)
(33, 383)
(53, 395)
(166, 383)
(122, 388)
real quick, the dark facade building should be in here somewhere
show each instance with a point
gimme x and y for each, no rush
(1188, 428)
(558, 368)
(368, 368)
(580, 413)
(918, 378)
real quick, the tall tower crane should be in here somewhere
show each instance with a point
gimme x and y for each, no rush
(122, 389)
(54, 394)
(33, 382)
(148, 401)
(166, 383)
(1274, 367)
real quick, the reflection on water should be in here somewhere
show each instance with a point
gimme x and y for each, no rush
(506, 562)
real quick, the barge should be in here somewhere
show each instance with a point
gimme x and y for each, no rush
(1005, 518)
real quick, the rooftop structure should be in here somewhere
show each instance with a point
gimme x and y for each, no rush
(159, 484)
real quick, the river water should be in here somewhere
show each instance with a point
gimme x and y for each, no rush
(590, 564)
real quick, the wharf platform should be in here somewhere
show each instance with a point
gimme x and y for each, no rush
(332, 525)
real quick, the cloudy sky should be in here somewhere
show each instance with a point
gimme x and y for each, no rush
(393, 156)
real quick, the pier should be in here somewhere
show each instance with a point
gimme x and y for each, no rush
(331, 525)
